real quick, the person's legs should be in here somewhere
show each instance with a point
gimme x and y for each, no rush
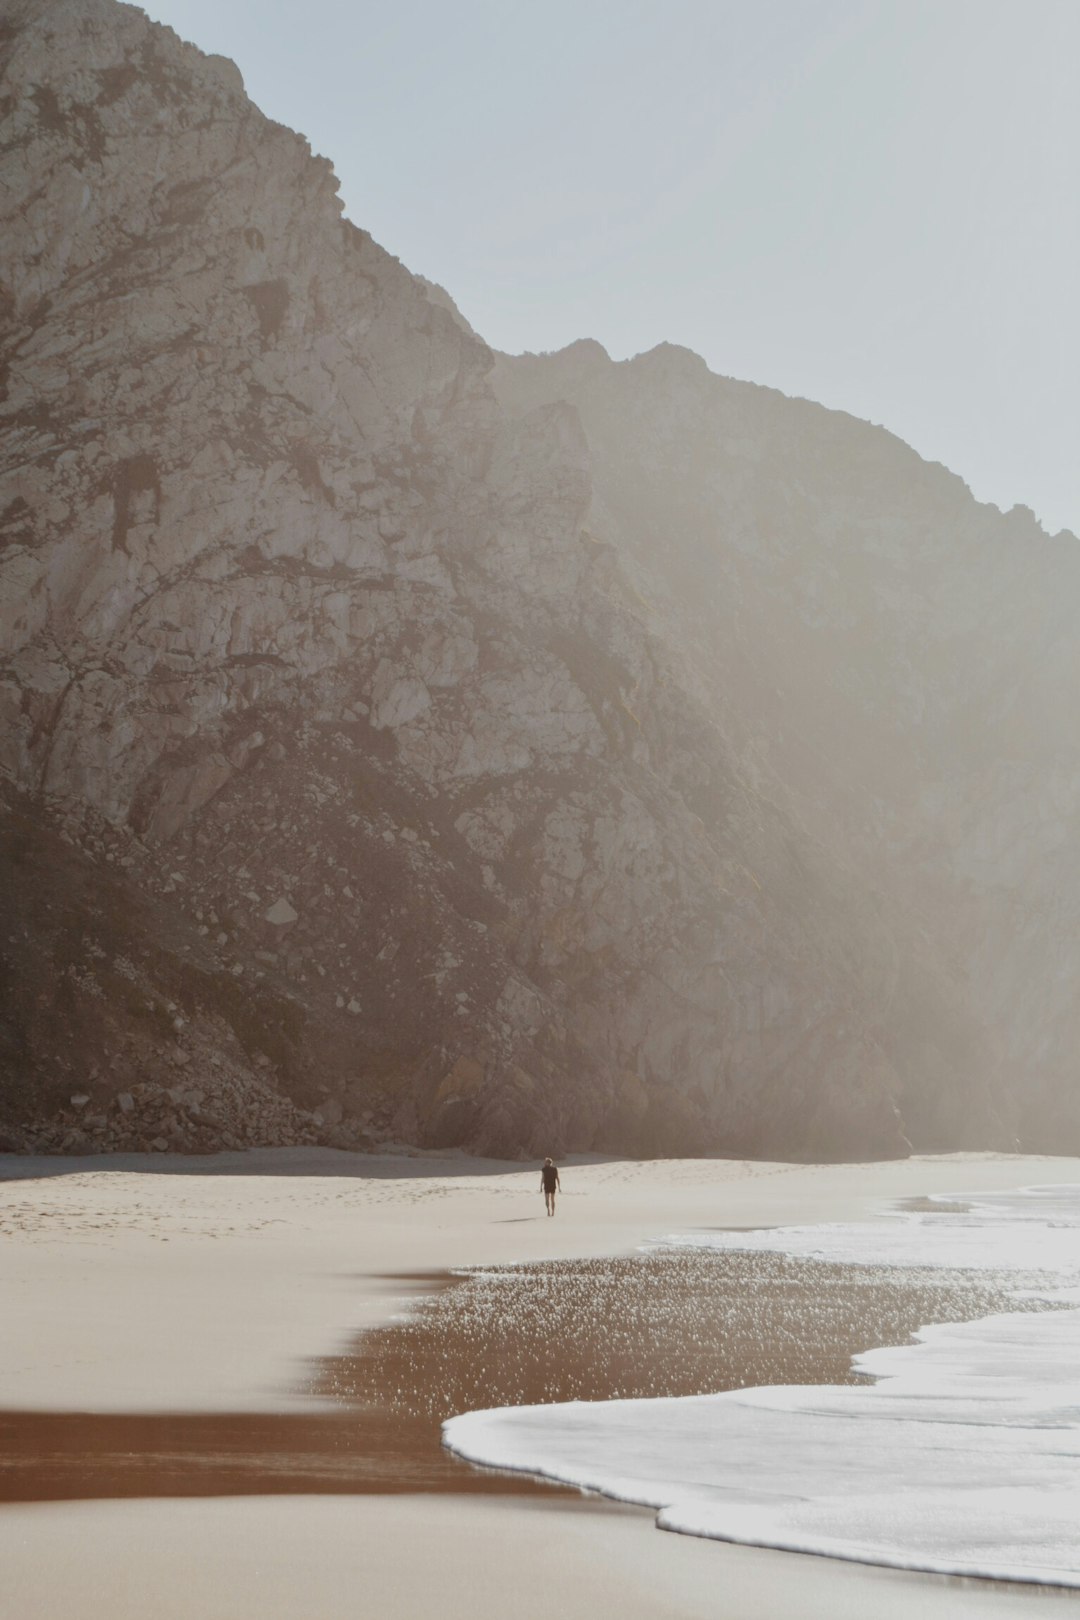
(549, 1200)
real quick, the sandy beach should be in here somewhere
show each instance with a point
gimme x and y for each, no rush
(220, 1285)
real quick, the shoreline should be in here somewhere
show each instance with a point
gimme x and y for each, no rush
(667, 1322)
(194, 1285)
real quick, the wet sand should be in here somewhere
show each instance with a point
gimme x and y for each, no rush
(670, 1322)
(201, 1322)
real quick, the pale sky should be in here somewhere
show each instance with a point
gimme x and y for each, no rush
(872, 203)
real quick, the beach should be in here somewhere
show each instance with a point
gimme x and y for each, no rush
(222, 1285)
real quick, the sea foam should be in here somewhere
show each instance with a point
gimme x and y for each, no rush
(963, 1457)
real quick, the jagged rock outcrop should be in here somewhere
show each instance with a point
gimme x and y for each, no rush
(535, 754)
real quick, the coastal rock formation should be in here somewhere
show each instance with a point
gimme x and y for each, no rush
(536, 754)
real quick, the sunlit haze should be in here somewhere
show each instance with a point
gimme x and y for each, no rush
(872, 203)
(541, 888)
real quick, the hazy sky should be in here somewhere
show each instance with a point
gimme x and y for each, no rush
(874, 203)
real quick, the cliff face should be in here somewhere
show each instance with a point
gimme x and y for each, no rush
(904, 662)
(538, 754)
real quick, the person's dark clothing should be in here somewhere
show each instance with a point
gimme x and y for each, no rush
(550, 1177)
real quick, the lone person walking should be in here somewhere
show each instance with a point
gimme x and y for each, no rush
(549, 1181)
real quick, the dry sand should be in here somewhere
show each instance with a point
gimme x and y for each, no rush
(215, 1285)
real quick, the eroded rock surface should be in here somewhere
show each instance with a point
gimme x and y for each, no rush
(535, 754)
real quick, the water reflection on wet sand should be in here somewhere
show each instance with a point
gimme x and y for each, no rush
(667, 1322)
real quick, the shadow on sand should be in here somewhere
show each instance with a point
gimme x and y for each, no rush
(410, 1164)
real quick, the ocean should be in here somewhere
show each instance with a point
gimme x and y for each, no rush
(957, 1452)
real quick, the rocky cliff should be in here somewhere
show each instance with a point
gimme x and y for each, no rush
(535, 754)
